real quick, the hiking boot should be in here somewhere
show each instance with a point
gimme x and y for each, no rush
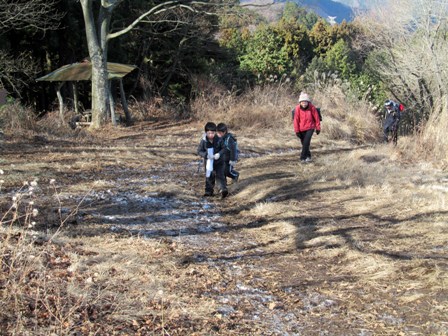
(308, 159)
(224, 193)
(208, 194)
(233, 174)
(302, 161)
(235, 179)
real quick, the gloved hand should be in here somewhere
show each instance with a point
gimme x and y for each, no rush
(317, 132)
(232, 163)
(216, 156)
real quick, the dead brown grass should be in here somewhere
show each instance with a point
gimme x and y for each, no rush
(259, 109)
(269, 107)
(16, 117)
(360, 214)
(347, 119)
(354, 243)
(434, 140)
(355, 229)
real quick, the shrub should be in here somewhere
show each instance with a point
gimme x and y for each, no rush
(15, 117)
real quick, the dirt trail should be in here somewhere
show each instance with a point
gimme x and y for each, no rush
(295, 249)
(204, 234)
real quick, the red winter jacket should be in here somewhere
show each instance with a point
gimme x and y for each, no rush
(305, 120)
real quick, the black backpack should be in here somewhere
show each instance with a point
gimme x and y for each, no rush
(226, 144)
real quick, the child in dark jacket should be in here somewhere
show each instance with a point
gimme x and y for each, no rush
(229, 152)
(210, 149)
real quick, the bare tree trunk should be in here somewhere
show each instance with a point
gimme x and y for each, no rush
(98, 35)
(100, 97)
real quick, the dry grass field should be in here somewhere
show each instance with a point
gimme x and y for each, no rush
(111, 236)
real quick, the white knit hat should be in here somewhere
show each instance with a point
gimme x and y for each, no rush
(304, 97)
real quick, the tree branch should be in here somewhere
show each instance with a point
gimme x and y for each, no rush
(34, 14)
(169, 5)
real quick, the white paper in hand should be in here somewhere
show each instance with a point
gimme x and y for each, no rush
(209, 164)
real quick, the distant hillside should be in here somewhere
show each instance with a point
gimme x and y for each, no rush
(326, 8)
(355, 4)
(361, 4)
(337, 10)
(270, 13)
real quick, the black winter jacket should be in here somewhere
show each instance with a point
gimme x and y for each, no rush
(204, 145)
(392, 117)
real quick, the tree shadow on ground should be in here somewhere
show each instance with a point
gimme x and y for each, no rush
(297, 186)
(179, 218)
(307, 230)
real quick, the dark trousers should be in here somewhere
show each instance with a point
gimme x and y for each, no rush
(391, 127)
(305, 140)
(230, 172)
(216, 175)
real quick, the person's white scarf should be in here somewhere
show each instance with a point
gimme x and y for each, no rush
(209, 165)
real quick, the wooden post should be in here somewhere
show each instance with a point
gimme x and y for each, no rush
(124, 103)
(75, 97)
(61, 101)
(111, 103)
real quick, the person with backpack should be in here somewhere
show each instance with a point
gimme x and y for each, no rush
(306, 120)
(319, 112)
(229, 152)
(210, 148)
(392, 119)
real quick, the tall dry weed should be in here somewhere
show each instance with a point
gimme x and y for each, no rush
(50, 126)
(18, 120)
(347, 118)
(26, 291)
(15, 117)
(430, 142)
(261, 107)
(434, 139)
(269, 107)
(158, 108)
(38, 294)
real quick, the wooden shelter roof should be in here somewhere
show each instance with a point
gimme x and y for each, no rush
(83, 71)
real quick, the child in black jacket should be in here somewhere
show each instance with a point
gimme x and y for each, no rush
(210, 149)
(230, 152)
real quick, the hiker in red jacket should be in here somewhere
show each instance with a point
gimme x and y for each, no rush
(306, 120)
